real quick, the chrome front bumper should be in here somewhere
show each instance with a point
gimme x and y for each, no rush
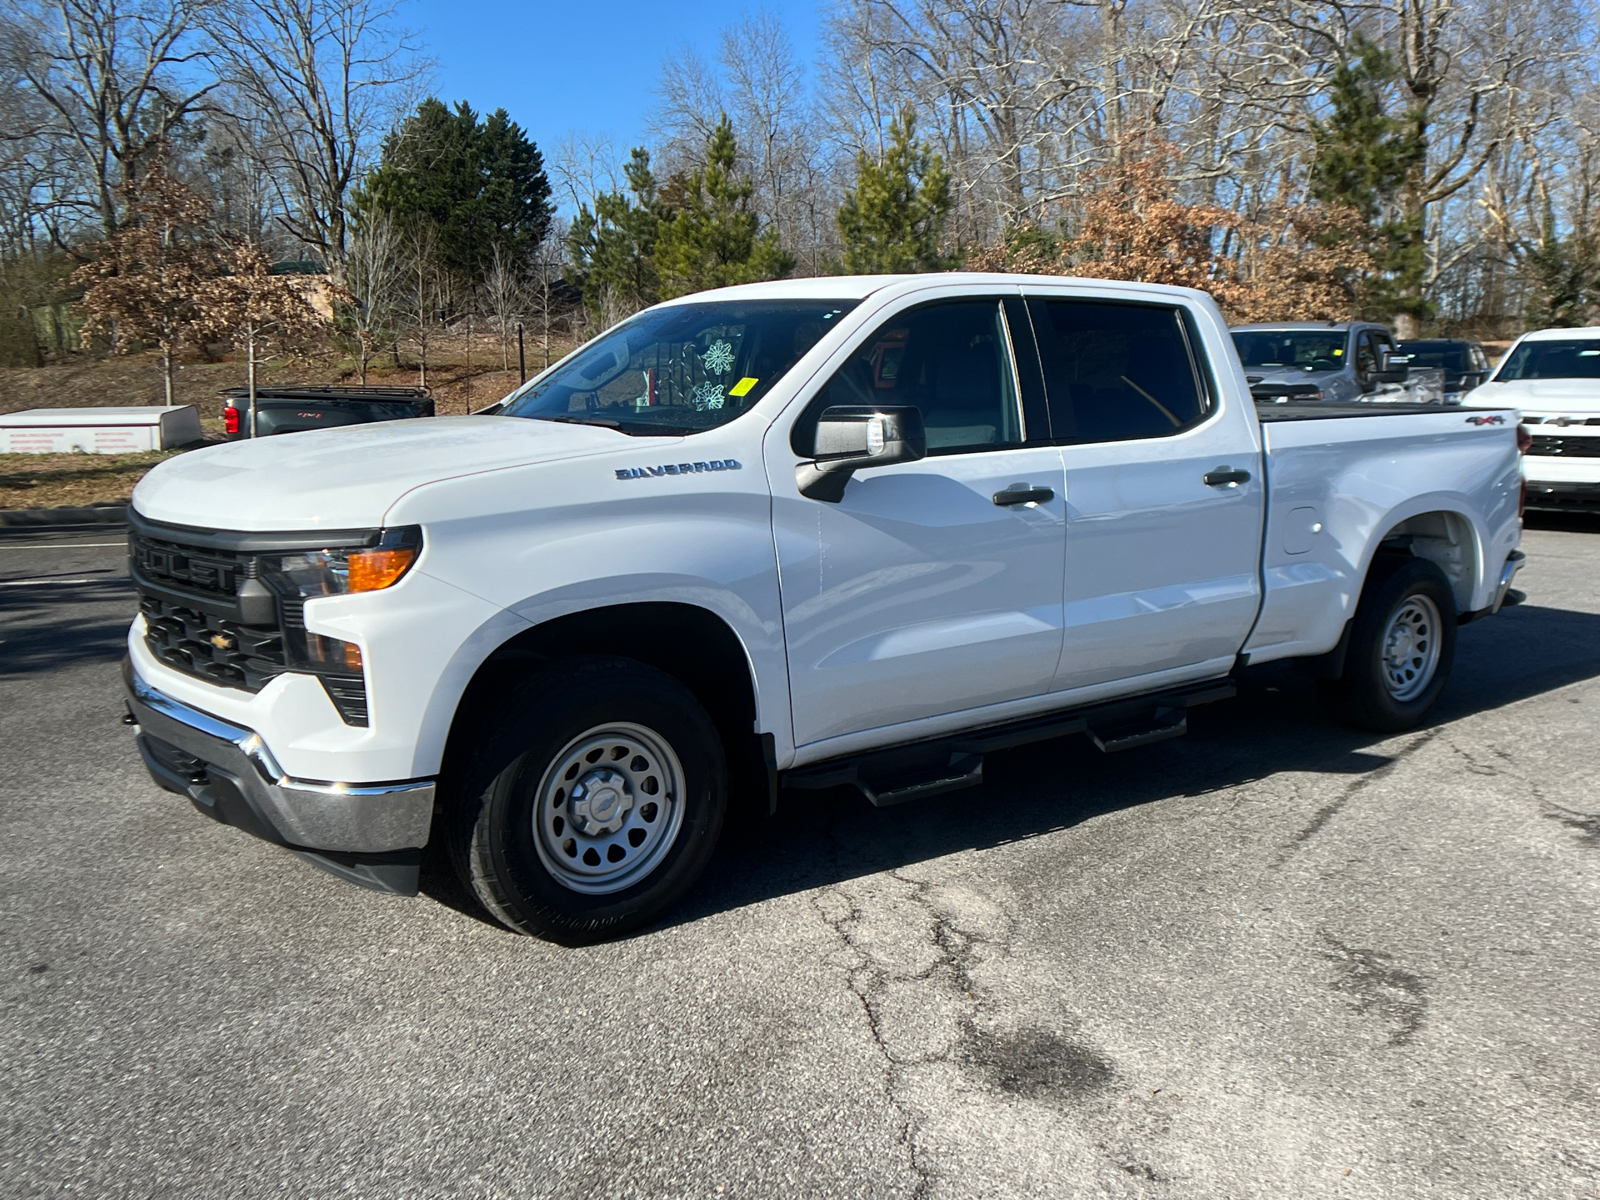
(230, 774)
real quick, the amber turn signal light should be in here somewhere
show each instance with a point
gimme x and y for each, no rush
(373, 570)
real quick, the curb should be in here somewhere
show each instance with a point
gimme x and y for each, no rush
(39, 518)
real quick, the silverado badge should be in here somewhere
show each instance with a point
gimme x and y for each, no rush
(694, 468)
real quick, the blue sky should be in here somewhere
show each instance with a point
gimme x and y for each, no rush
(577, 66)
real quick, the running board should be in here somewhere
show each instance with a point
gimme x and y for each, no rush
(963, 771)
(947, 764)
(1165, 723)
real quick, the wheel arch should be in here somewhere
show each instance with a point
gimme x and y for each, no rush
(694, 645)
(1441, 533)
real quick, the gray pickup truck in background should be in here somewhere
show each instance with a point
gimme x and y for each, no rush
(319, 406)
(1296, 362)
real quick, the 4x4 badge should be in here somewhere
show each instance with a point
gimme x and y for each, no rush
(1495, 420)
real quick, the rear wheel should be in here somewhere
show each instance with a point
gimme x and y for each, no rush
(1402, 645)
(595, 804)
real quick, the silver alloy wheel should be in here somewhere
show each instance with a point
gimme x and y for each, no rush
(1411, 648)
(609, 808)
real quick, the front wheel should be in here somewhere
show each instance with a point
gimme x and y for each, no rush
(602, 796)
(1402, 645)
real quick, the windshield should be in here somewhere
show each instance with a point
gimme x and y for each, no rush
(1566, 359)
(1292, 349)
(680, 369)
(1449, 356)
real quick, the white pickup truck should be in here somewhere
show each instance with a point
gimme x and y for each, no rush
(844, 531)
(1552, 377)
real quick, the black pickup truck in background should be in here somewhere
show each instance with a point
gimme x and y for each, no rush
(292, 409)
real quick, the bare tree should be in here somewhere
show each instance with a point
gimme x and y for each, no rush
(264, 313)
(549, 258)
(151, 278)
(375, 273)
(583, 166)
(502, 284)
(118, 79)
(326, 79)
(422, 269)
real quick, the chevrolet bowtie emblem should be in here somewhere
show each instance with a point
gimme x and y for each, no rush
(222, 641)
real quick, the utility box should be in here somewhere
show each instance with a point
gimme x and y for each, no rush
(98, 430)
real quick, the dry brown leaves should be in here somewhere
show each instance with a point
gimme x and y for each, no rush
(1292, 263)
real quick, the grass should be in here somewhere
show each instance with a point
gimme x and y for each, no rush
(59, 480)
(465, 374)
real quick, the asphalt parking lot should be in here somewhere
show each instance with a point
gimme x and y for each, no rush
(1272, 959)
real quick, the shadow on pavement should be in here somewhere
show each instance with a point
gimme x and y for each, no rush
(50, 625)
(1275, 725)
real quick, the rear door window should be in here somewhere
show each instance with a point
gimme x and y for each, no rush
(1114, 371)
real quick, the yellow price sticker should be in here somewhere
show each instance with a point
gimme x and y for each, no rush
(743, 386)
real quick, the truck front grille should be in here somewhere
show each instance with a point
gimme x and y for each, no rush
(185, 568)
(190, 599)
(211, 647)
(1565, 447)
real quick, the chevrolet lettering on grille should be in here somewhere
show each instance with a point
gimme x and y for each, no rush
(168, 567)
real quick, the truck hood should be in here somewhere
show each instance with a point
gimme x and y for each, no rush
(1289, 380)
(1538, 395)
(348, 478)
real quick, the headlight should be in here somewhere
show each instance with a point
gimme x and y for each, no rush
(337, 572)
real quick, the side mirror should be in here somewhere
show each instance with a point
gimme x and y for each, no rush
(1393, 368)
(850, 438)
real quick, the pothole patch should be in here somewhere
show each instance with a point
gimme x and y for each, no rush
(1035, 1063)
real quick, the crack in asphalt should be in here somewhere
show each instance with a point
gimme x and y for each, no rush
(892, 1066)
(1031, 1064)
(1354, 788)
(1586, 824)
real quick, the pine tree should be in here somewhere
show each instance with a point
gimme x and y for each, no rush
(715, 238)
(892, 221)
(1365, 159)
(1565, 272)
(478, 183)
(613, 248)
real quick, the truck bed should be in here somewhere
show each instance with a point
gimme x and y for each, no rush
(1326, 411)
(1334, 476)
(321, 406)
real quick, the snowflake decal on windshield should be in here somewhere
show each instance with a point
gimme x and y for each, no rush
(718, 359)
(706, 395)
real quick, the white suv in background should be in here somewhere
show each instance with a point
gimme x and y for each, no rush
(1553, 377)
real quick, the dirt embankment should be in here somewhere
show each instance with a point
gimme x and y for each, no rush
(462, 377)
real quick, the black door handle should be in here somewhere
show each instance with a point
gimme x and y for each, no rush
(1021, 493)
(1226, 477)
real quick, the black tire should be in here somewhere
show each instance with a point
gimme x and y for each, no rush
(507, 848)
(1385, 691)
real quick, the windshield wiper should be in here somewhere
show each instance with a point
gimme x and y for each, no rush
(631, 430)
(566, 420)
(661, 430)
